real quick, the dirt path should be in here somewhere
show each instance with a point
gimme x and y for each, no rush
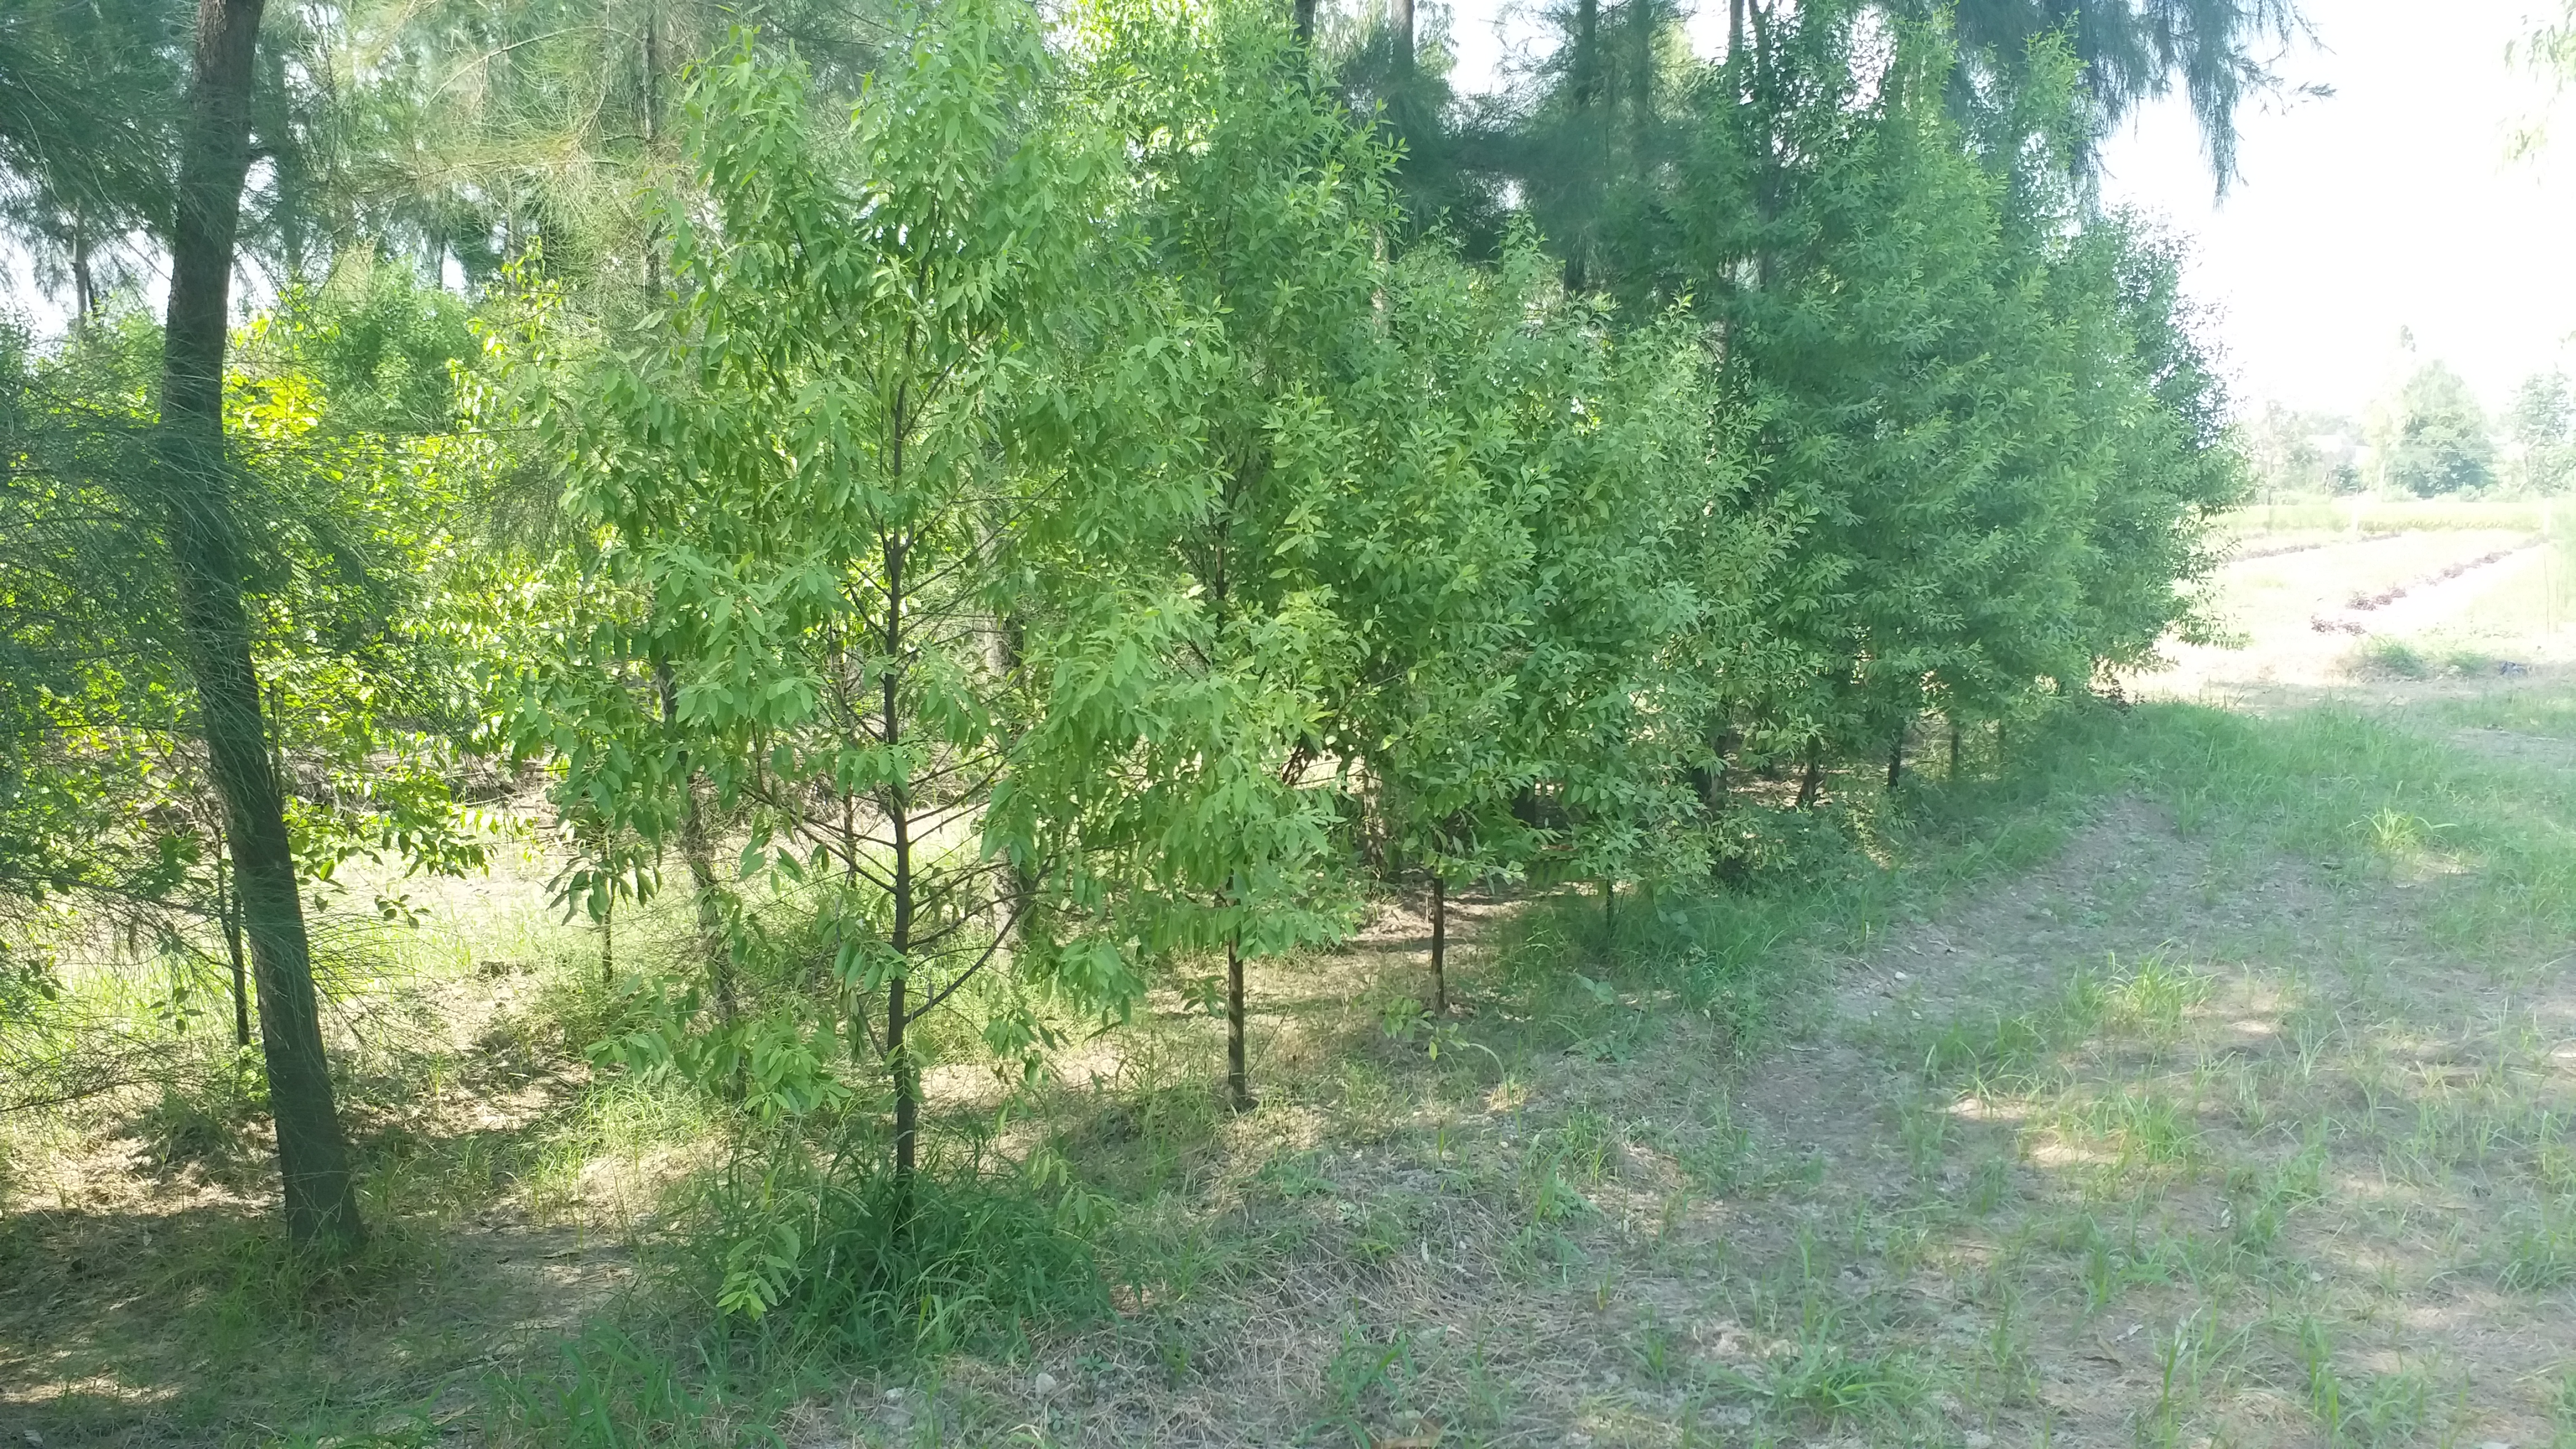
(2211, 1150)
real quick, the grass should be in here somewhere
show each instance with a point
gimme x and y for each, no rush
(2327, 517)
(2182, 1077)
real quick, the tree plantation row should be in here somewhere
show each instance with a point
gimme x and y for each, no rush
(997, 513)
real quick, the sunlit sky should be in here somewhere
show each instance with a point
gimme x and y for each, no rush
(2391, 205)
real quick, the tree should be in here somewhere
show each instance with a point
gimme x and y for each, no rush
(2432, 437)
(469, 135)
(2542, 425)
(1270, 213)
(2130, 52)
(194, 474)
(88, 127)
(2298, 452)
(946, 693)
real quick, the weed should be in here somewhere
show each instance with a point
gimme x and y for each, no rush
(2539, 1250)
(1364, 1375)
(2392, 659)
(607, 1390)
(1989, 1184)
(2259, 1200)
(837, 1254)
(1827, 1380)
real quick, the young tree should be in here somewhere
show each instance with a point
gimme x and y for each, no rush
(1270, 213)
(885, 518)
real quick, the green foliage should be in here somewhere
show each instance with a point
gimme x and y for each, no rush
(377, 610)
(1001, 510)
(838, 1254)
(2433, 435)
(87, 125)
(2542, 424)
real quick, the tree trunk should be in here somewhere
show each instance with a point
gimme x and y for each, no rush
(1587, 53)
(1238, 1077)
(1439, 944)
(907, 1083)
(228, 906)
(1609, 904)
(1305, 20)
(1815, 776)
(1643, 18)
(85, 298)
(1586, 85)
(205, 549)
(608, 940)
(1404, 38)
(1954, 749)
(699, 854)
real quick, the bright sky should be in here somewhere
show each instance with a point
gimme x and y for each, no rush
(2392, 204)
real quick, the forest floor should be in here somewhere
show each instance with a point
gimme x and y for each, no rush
(2199, 1073)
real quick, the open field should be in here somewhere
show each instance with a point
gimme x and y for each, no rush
(2196, 1074)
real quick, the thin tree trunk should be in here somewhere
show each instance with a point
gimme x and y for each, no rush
(313, 1156)
(698, 852)
(1404, 38)
(1609, 905)
(228, 906)
(1954, 749)
(1439, 944)
(1305, 20)
(907, 1086)
(1586, 77)
(1238, 1076)
(1643, 19)
(85, 298)
(608, 940)
(1815, 777)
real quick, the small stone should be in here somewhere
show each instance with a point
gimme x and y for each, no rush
(1045, 1384)
(894, 1396)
